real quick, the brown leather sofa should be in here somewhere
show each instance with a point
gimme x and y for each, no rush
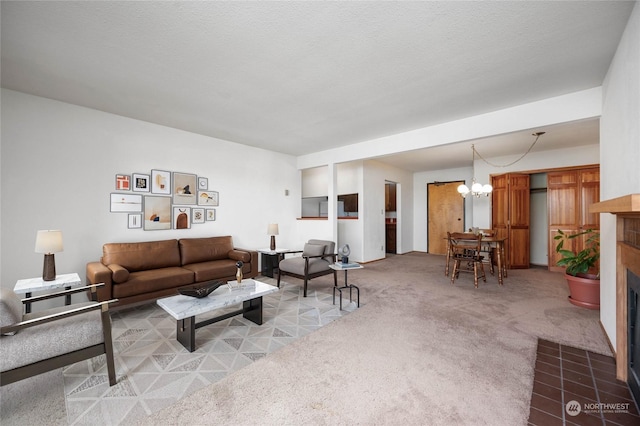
(137, 272)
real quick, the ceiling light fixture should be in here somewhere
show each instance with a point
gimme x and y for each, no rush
(477, 189)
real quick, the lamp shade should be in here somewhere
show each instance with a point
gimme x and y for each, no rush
(272, 229)
(48, 241)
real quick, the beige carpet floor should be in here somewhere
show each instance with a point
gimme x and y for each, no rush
(418, 351)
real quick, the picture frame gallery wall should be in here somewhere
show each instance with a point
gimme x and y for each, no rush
(163, 200)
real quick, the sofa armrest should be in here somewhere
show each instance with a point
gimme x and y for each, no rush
(99, 273)
(254, 260)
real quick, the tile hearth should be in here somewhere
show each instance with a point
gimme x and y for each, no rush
(154, 370)
(564, 374)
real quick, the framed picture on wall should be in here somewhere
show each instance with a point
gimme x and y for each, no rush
(184, 188)
(197, 215)
(125, 202)
(160, 182)
(208, 198)
(123, 182)
(157, 213)
(141, 183)
(181, 217)
(203, 183)
(135, 221)
(211, 214)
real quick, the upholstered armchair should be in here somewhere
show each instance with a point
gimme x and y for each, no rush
(314, 262)
(34, 343)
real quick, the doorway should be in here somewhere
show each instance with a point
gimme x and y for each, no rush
(391, 217)
(445, 213)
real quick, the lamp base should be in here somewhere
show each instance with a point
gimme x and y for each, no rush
(273, 242)
(49, 268)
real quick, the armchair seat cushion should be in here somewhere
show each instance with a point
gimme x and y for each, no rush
(295, 265)
(152, 280)
(51, 339)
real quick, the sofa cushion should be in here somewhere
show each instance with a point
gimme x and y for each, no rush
(142, 256)
(152, 280)
(216, 269)
(118, 273)
(196, 250)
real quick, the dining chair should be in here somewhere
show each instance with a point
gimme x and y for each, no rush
(489, 249)
(466, 248)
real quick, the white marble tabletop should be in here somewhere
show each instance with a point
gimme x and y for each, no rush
(345, 267)
(36, 284)
(276, 251)
(181, 307)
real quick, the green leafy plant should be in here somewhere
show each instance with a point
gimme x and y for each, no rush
(584, 260)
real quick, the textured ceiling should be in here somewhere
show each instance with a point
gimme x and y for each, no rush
(300, 77)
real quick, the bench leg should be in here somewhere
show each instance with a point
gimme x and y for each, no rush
(252, 310)
(186, 333)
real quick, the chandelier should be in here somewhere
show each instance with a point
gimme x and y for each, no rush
(477, 189)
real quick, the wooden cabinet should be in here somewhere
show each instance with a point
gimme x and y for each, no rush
(390, 197)
(391, 237)
(569, 195)
(510, 216)
(350, 202)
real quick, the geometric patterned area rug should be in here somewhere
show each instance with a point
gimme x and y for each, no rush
(154, 370)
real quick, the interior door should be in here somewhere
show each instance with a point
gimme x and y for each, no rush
(510, 216)
(445, 212)
(570, 193)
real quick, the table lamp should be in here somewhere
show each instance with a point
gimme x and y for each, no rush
(272, 230)
(49, 242)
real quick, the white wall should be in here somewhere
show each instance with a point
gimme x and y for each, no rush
(315, 182)
(350, 231)
(620, 155)
(59, 163)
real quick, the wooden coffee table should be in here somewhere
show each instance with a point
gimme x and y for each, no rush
(185, 308)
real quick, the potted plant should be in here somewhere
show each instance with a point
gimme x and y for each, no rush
(581, 273)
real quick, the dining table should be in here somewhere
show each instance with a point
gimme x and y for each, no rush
(490, 242)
